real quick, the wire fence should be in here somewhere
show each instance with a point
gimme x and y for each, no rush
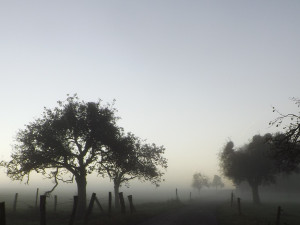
(15, 203)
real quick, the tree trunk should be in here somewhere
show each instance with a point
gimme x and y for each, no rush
(116, 190)
(255, 194)
(81, 189)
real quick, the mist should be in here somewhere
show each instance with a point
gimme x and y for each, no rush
(151, 99)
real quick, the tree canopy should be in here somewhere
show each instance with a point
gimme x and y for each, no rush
(199, 181)
(217, 182)
(132, 158)
(251, 163)
(69, 139)
(287, 151)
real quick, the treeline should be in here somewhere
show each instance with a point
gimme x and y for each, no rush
(200, 181)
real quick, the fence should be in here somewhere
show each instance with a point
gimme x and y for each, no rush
(41, 211)
(239, 208)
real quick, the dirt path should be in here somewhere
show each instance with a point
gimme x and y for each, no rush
(192, 214)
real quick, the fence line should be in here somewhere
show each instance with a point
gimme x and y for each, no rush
(41, 205)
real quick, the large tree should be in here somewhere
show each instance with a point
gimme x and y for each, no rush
(250, 163)
(132, 158)
(199, 181)
(68, 139)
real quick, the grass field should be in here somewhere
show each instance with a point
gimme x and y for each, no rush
(31, 216)
(264, 214)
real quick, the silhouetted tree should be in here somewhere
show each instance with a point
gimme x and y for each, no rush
(69, 139)
(217, 182)
(132, 158)
(287, 151)
(200, 181)
(250, 163)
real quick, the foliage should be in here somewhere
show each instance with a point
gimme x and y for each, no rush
(199, 181)
(287, 151)
(292, 128)
(250, 163)
(217, 182)
(69, 139)
(131, 158)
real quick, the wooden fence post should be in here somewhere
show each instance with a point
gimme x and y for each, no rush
(36, 197)
(176, 195)
(2, 214)
(15, 203)
(109, 203)
(55, 203)
(278, 215)
(98, 203)
(73, 210)
(132, 209)
(43, 210)
(239, 206)
(122, 202)
(90, 208)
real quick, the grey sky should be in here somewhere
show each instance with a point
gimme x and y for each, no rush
(186, 74)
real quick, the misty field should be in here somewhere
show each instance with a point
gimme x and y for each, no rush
(209, 203)
(145, 211)
(27, 214)
(264, 214)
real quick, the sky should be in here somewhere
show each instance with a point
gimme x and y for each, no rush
(188, 75)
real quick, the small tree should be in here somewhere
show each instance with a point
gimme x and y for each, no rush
(250, 163)
(132, 158)
(69, 139)
(200, 181)
(217, 182)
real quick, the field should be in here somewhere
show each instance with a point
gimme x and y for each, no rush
(31, 215)
(264, 214)
(215, 204)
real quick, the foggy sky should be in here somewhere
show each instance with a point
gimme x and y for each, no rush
(189, 75)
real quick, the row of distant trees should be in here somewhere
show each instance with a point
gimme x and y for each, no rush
(200, 181)
(77, 138)
(261, 160)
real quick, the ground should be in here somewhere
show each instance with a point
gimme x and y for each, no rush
(195, 213)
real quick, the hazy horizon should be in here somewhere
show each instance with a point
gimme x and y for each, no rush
(189, 75)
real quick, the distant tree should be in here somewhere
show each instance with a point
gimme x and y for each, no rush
(132, 158)
(69, 139)
(250, 163)
(287, 151)
(217, 182)
(200, 181)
